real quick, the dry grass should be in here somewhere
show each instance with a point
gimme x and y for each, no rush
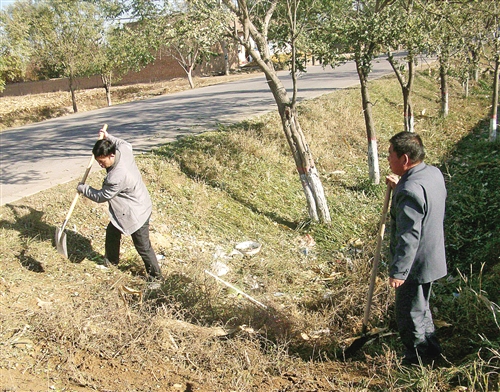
(72, 325)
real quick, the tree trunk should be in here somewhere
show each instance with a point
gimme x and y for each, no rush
(226, 57)
(465, 84)
(476, 74)
(311, 183)
(409, 116)
(494, 102)
(190, 77)
(106, 81)
(73, 95)
(373, 167)
(443, 75)
(475, 62)
(406, 86)
(309, 177)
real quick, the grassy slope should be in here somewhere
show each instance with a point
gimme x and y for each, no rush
(82, 331)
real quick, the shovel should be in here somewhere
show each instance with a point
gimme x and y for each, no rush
(60, 237)
(365, 334)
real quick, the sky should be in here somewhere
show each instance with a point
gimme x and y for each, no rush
(5, 3)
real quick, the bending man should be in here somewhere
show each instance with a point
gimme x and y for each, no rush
(129, 201)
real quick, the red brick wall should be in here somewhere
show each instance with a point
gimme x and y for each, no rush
(164, 68)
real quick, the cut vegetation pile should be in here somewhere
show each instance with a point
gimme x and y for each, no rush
(74, 325)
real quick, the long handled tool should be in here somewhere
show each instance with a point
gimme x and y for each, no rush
(60, 237)
(260, 304)
(365, 335)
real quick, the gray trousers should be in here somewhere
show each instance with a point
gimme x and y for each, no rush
(142, 245)
(414, 319)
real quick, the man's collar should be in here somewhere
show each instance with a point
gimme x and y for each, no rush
(118, 155)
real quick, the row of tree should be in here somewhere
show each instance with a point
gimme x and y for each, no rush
(75, 37)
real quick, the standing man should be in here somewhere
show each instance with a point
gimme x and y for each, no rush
(129, 202)
(417, 252)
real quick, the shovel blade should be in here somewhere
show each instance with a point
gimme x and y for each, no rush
(60, 239)
(356, 345)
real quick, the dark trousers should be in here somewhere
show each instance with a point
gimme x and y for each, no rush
(141, 243)
(414, 319)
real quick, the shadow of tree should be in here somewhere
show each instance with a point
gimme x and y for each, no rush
(29, 223)
(30, 263)
(197, 171)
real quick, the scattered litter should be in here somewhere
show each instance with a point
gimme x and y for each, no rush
(248, 248)
(278, 294)
(22, 342)
(154, 286)
(305, 243)
(328, 295)
(237, 290)
(316, 334)
(253, 282)
(101, 267)
(220, 254)
(160, 257)
(308, 241)
(219, 268)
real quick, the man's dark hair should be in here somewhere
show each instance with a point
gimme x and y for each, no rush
(408, 143)
(103, 148)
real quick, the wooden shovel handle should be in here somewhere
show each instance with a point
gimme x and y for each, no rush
(376, 259)
(84, 178)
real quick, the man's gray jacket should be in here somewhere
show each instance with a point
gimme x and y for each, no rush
(129, 202)
(417, 237)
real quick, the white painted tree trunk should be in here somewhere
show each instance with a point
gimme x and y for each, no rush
(443, 73)
(373, 161)
(317, 205)
(493, 128)
(373, 167)
(494, 101)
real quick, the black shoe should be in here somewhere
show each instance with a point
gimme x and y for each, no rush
(410, 360)
(109, 263)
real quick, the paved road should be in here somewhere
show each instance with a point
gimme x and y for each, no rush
(39, 156)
